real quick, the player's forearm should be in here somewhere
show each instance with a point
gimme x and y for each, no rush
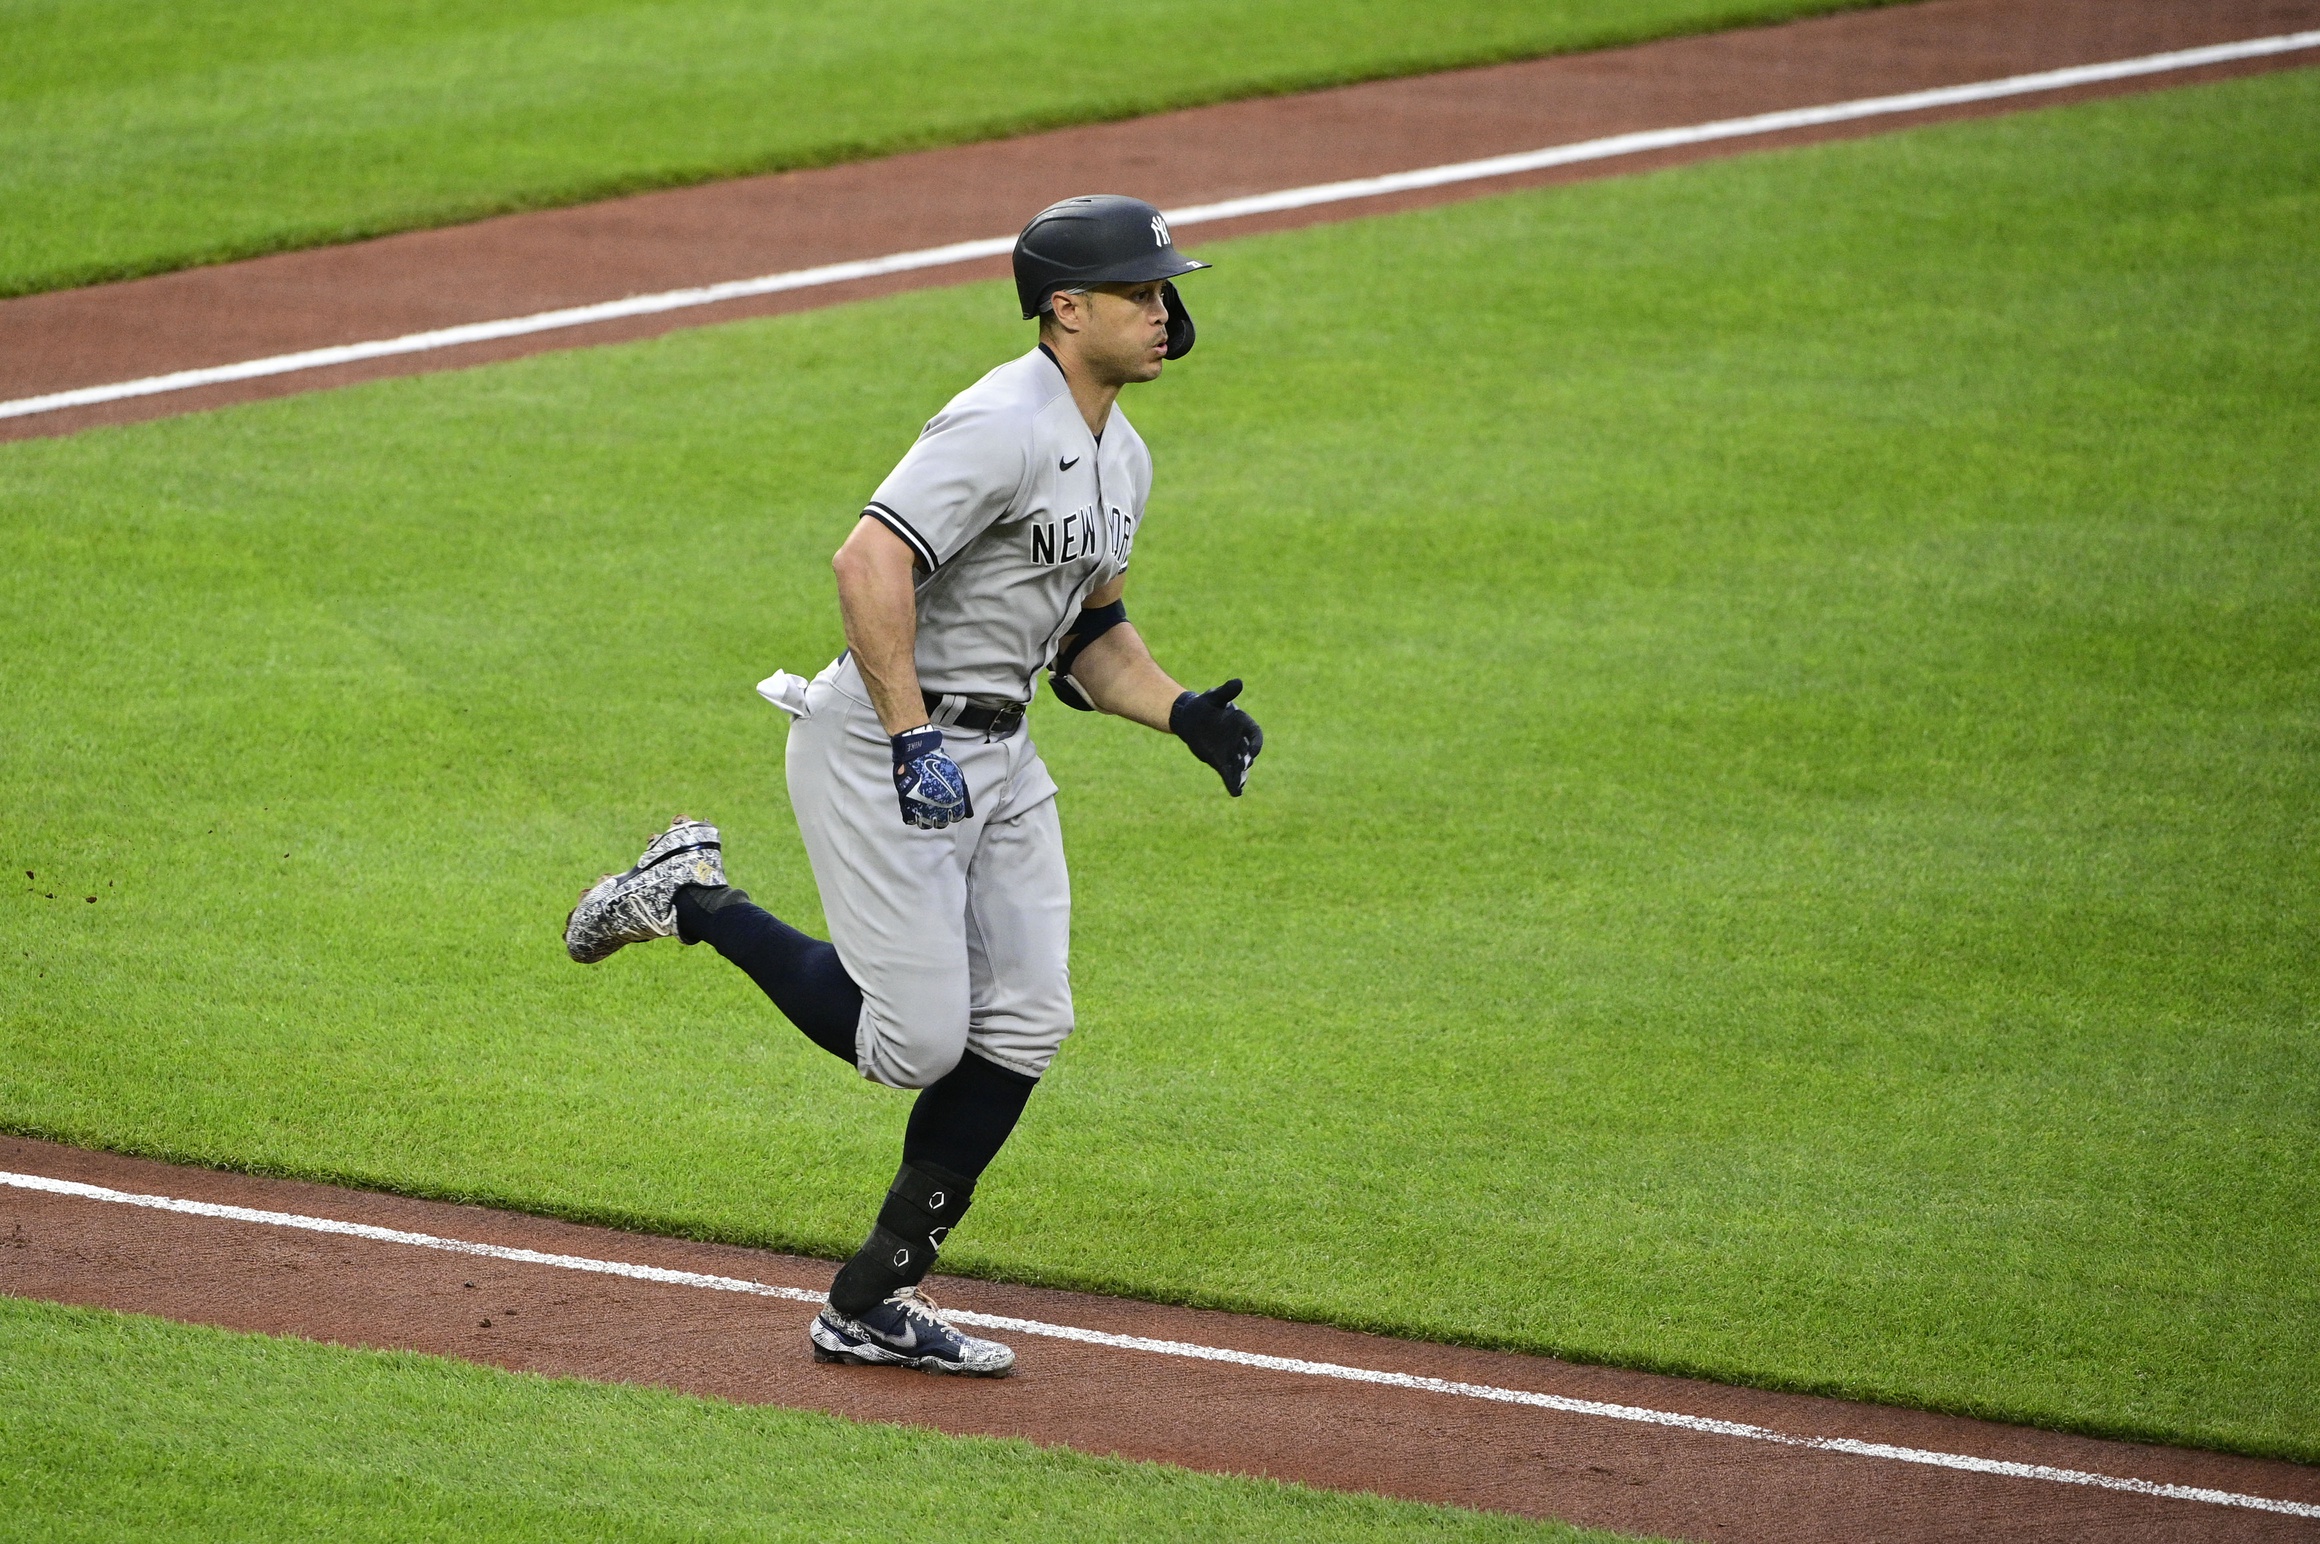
(884, 638)
(1120, 677)
(879, 603)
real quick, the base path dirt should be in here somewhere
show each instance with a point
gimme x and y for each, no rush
(1680, 1479)
(523, 264)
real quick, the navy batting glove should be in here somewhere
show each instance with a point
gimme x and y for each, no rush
(933, 789)
(1219, 733)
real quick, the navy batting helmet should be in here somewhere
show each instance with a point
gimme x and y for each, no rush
(1102, 238)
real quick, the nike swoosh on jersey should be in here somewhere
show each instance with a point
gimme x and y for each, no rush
(1065, 466)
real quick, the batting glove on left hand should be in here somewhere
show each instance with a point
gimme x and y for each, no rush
(1218, 733)
(932, 788)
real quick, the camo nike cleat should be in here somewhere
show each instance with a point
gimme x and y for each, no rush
(642, 903)
(907, 1330)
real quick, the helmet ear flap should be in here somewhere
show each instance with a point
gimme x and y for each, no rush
(1180, 330)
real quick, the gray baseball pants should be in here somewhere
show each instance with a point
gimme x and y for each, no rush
(960, 938)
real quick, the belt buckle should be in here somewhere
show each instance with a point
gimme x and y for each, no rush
(1005, 721)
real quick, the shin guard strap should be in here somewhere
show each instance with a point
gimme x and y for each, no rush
(926, 1199)
(883, 1266)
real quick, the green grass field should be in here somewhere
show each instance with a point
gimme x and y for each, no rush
(136, 138)
(114, 1427)
(1786, 849)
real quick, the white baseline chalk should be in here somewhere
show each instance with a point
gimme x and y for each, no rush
(1606, 148)
(1189, 1350)
(67, 1187)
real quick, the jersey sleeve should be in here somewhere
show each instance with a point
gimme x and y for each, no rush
(966, 470)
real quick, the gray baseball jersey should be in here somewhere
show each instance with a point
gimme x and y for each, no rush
(961, 938)
(1016, 514)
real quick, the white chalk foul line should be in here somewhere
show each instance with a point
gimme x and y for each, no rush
(1607, 148)
(1649, 1417)
(67, 1187)
(1185, 1349)
(511, 327)
(1647, 140)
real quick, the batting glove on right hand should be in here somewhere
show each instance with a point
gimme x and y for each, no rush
(1219, 733)
(932, 788)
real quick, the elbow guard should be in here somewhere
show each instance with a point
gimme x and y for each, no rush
(1093, 623)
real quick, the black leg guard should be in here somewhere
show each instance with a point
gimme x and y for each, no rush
(925, 1203)
(956, 1129)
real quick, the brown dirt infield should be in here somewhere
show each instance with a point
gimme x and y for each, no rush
(526, 263)
(1402, 1442)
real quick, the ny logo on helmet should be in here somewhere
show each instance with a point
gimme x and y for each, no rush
(1159, 231)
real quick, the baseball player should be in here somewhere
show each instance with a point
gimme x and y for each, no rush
(998, 547)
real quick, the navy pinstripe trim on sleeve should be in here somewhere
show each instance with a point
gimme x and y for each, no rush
(902, 528)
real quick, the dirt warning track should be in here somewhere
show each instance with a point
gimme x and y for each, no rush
(522, 266)
(1210, 1391)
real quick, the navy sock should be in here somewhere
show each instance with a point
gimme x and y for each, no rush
(802, 975)
(960, 1122)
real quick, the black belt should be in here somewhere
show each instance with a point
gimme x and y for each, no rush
(949, 711)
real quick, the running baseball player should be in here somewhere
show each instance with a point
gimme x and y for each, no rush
(998, 547)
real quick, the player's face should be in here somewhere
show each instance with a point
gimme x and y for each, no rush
(1127, 331)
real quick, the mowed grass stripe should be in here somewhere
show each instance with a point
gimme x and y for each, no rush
(116, 1426)
(138, 138)
(1784, 850)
